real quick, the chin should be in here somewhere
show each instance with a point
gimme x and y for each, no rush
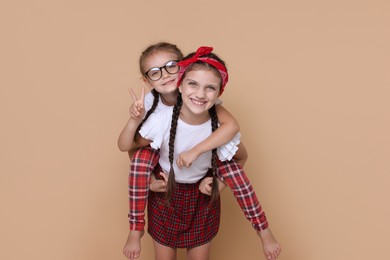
(166, 89)
(200, 110)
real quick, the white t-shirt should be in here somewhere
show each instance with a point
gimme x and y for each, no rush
(148, 102)
(157, 129)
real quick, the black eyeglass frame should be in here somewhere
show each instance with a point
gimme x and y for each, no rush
(160, 68)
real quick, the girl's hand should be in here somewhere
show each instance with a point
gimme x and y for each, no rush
(206, 185)
(137, 109)
(187, 158)
(158, 185)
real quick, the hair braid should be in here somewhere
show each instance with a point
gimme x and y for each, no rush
(150, 111)
(175, 116)
(214, 157)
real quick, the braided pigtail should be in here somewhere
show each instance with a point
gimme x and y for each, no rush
(175, 116)
(150, 111)
(214, 157)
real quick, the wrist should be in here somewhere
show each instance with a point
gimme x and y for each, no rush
(197, 150)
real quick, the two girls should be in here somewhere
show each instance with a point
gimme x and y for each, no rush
(184, 217)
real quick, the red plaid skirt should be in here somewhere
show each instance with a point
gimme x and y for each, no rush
(188, 221)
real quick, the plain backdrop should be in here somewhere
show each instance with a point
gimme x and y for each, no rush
(309, 85)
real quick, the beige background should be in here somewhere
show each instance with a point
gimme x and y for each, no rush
(309, 86)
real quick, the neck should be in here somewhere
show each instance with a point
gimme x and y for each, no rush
(193, 119)
(169, 99)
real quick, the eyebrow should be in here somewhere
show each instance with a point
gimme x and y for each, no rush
(208, 85)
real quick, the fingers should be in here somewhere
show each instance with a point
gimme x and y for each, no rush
(137, 108)
(159, 185)
(140, 102)
(179, 162)
(208, 189)
(165, 176)
(205, 185)
(188, 165)
(142, 94)
(133, 95)
(134, 112)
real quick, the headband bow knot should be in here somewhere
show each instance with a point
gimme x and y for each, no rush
(202, 51)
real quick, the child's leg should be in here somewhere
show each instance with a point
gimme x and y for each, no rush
(199, 253)
(142, 164)
(162, 252)
(234, 176)
(271, 247)
(132, 248)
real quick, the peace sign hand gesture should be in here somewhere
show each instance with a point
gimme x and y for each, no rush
(137, 109)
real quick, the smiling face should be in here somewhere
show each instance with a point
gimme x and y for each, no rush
(167, 83)
(199, 90)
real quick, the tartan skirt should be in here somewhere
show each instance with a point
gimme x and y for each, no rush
(187, 221)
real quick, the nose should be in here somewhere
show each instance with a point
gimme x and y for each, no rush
(164, 73)
(200, 93)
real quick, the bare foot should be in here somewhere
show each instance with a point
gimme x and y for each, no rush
(132, 249)
(271, 247)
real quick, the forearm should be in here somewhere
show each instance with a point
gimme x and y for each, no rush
(225, 132)
(218, 138)
(126, 138)
(222, 135)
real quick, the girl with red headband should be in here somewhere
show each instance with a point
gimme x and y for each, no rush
(158, 65)
(183, 217)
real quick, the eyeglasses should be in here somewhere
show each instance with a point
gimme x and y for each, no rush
(156, 73)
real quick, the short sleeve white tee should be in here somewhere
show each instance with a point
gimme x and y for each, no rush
(157, 129)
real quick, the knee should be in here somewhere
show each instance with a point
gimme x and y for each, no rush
(145, 153)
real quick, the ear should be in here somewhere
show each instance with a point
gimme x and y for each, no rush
(146, 82)
(179, 88)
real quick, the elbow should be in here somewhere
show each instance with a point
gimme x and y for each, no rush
(123, 148)
(244, 160)
(235, 126)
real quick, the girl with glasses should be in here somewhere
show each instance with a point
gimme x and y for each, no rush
(167, 229)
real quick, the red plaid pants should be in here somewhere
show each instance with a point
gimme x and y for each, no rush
(234, 176)
(144, 161)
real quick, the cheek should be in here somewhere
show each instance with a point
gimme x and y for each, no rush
(213, 97)
(150, 83)
(185, 90)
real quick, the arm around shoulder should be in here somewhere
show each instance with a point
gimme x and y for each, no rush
(226, 131)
